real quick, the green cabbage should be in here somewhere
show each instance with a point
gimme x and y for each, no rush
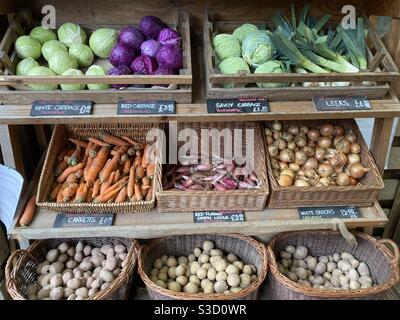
(43, 35)
(272, 66)
(226, 45)
(25, 66)
(73, 87)
(96, 70)
(28, 47)
(70, 33)
(82, 53)
(51, 47)
(42, 71)
(241, 32)
(233, 65)
(61, 62)
(102, 41)
(257, 48)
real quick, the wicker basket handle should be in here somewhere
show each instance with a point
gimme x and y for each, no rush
(395, 250)
(10, 270)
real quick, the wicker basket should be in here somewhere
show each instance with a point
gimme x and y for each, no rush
(362, 195)
(57, 143)
(249, 200)
(382, 262)
(246, 248)
(23, 273)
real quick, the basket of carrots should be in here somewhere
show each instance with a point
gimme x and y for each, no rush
(99, 168)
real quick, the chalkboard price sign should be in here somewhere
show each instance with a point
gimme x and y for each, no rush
(218, 216)
(344, 212)
(64, 220)
(245, 105)
(146, 107)
(61, 108)
(341, 103)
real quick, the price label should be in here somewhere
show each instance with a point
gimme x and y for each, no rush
(61, 108)
(65, 220)
(345, 212)
(244, 105)
(218, 216)
(341, 103)
(126, 107)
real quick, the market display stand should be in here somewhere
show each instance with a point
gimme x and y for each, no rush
(154, 224)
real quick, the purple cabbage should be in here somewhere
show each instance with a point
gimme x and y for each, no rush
(149, 48)
(170, 56)
(151, 27)
(163, 71)
(119, 71)
(169, 36)
(131, 37)
(144, 65)
(121, 55)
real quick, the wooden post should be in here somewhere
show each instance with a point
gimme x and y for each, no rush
(394, 216)
(11, 148)
(381, 141)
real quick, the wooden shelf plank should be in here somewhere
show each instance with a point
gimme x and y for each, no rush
(20, 114)
(155, 224)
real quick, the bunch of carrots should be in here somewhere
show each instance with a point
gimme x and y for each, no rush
(104, 169)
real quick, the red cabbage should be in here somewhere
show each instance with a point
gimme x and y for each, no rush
(119, 71)
(170, 56)
(169, 36)
(131, 37)
(161, 71)
(151, 27)
(149, 48)
(121, 55)
(144, 65)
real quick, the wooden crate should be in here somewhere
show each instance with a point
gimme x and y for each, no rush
(15, 90)
(382, 70)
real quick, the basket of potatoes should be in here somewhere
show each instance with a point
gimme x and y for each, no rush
(203, 267)
(72, 269)
(321, 264)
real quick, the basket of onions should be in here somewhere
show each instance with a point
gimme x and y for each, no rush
(315, 163)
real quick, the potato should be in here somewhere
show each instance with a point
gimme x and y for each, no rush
(164, 269)
(174, 286)
(353, 274)
(281, 268)
(292, 276)
(335, 281)
(119, 248)
(56, 281)
(208, 288)
(363, 269)
(347, 256)
(306, 283)
(221, 276)
(208, 245)
(300, 253)
(191, 288)
(96, 284)
(233, 280)
(220, 286)
(330, 266)
(311, 262)
(154, 272)
(300, 263)
(163, 276)
(72, 297)
(354, 263)
(41, 266)
(106, 276)
(285, 263)
(89, 282)
(327, 276)
(231, 269)
(123, 256)
(45, 280)
(68, 292)
(63, 247)
(79, 246)
(253, 278)
(197, 252)
(191, 257)
(32, 289)
(301, 273)
(201, 273)
(194, 279)
(320, 268)
(71, 264)
(82, 292)
(211, 274)
(63, 257)
(78, 273)
(52, 255)
(57, 293)
(330, 258)
(323, 259)
(161, 284)
(218, 252)
(183, 260)
(43, 293)
(86, 266)
(164, 259)
(327, 284)
(78, 257)
(245, 280)
(285, 255)
(365, 279)
(92, 292)
(336, 257)
(337, 273)
(204, 258)
(182, 280)
(105, 249)
(97, 259)
(105, 286)
(87, 250)
(344, 281)
(111, 263)
(172, 262)
(317, 279)
(220, 265)
(231, 258)
(158, 264)
(194, 267)
(74, 283)
(290, 249)
(354, 285)
(344, 265)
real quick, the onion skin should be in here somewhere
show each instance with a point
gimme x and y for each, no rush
(313, 134)
(351, 137)
(309, 151)
(343, 146)
(304, 129)
(294, 130)
(343, 180)
(273, 150)
(286, 155)
(324, 142)
(339, 131)
(300, 157)
(358, 171)
(355, 148)
(281, 144)
(325, 170)
(301, 183)
(288, 172)
(327, 130)
(291, 145)
(311, 163)
(277, 125)
(300, 141)
(354, 158)
(294, 167)
(285, 181)
(353, 181)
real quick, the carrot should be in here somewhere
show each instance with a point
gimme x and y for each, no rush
(61, 178)
(101, 172)
(81, 193)
(64, 153)
(60, 192)
(60, 168)
(136, 144)
(124, 158)
(54, 192)
(96, 189)
(107, 196)
(149, 195)
(99, 142)
(29, 212)
(104, 186)
(72, 178)
(70, 191)
(117, 176)
(87, 167)
(145, 158)
(131, 182)
(79, 174)
(138, 193)
(111, 139)
(150, 170)
(139, 173)
(89, 194)
(74, 158)
(138, 161)
(93, 150)
(87, 149)
(78, 142)
(110, 166)
(121, 197)
(146, 182)
(127, 166)
(117, 185)
(97, 164)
